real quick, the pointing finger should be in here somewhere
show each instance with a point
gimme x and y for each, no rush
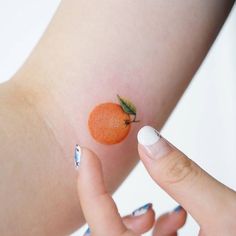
(98, 206)
(199, 193)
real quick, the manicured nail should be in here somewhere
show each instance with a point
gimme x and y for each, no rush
(178, 209)
(87, 232)
(152, 143)
(142, 210)
(77, 157)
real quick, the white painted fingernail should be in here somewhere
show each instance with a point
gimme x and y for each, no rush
(148, 136)
(152, 143)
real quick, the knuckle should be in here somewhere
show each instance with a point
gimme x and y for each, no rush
(179, 168)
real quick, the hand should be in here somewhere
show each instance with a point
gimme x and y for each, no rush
(211, 203)
(101, 212)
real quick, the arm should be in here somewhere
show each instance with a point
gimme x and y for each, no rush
(146, 51)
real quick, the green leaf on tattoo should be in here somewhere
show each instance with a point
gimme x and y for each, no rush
(127, 106)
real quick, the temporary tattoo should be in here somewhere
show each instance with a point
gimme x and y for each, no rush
(109, 123)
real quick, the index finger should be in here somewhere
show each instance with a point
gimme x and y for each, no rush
(99, 209)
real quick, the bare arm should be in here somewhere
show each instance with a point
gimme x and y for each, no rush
(146, 51)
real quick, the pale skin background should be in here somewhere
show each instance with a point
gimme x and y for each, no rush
(86, 50)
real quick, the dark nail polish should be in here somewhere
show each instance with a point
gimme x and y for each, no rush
(178, 209)
(142, 210)
(87, 232)
(77, 157)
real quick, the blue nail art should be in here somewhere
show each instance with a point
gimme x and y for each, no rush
(77, 157)
(178, 209)
(142, 210)
(87, 232)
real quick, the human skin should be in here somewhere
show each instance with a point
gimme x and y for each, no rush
(146, 51)
(173, 171)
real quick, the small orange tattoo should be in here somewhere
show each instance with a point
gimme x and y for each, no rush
(109, 123)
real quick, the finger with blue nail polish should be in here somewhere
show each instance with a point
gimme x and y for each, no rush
(99, 209)
(168, 224)
(142, 210)
(178, 209)
(141, 219)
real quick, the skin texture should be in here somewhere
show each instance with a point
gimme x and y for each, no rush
(90, 52)
(102, 214)
(199, 193)
(179, 176)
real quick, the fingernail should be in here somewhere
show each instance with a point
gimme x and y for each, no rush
(87, 232)
(178, 209)
(77, 157)
(142, 210)
(152, 143)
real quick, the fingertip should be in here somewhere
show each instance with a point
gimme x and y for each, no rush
(90, 175)
(89, 157)
(146, 160)
(90, 164)
(98, 206)
(171, 222)
(142, 156)
(179, 216)
(84, 156)
(140, 224)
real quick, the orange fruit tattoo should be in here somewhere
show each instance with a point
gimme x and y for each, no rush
(109, 123)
